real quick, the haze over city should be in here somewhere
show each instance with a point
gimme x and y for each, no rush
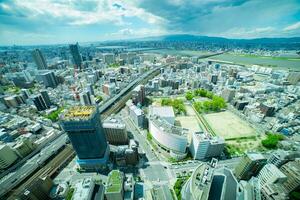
(150, 100)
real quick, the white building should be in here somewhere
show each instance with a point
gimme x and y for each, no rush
(84, 189)
(164, 112)
(270, 174)
(204, 146)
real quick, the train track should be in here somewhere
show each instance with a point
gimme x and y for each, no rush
(50, 169)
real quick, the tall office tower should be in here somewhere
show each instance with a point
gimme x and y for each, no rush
(115, 185)
(270, 174)
(77, 59)
(90, 89)
(138, 95)
(49, 79)
(83, 126)
(46, 98)
(25, 93)
(292, 171)
(39, 59)
(108, 58)
(249, 166)
(39, 102)
(85, 98)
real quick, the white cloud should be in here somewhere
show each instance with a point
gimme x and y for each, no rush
(292, 27)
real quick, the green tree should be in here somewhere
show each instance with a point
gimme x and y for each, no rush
(189, 95)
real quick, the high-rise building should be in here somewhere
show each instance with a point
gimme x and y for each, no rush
(280, 157)
(270, 174)
(39, 102)
(85, 98)
(39, 59)
(115, 185)
(250, 165)
(273, 192)
(83, 126)
(138, 95)
(77, 59)
(49, 79)
(46, 98)
(109, 58)
(90, 89)
(292, 171)
(249, 190)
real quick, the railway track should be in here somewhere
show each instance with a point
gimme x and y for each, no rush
(60, 160)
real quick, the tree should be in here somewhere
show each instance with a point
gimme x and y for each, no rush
(189, 95)
(272, 140)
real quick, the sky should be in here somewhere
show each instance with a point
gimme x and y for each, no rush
(29, 22)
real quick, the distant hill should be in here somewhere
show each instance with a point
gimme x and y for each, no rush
(187, 37)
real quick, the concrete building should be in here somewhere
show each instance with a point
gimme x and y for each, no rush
(85, 98)
(138, 95)
(83, 126)
(228, 94)
(39, 102)
(224, 185)
(7, 156)
(109, 89)
(169, 137)
(77, 59)
(84, 189)
(115, 185)
(49, 79)
(137, 116)
(250, 165)
(279, 157)
(273, 192)
(203, 146)
(164, 112)
(293, 77)
(39, 59)
(108, 58)
(46, 98)
(24, 147)
(249, 190)
(39, 189)
(270, 174)
(197, 187)
(115, 131)
(292, 171)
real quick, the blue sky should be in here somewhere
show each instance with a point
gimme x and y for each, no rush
(26, 22)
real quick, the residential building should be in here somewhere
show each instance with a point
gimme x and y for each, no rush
(138, 95)
(292, 171)
(49, 79)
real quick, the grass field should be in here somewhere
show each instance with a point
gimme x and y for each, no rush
(229, 126)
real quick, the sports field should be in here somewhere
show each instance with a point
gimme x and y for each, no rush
(229, 125)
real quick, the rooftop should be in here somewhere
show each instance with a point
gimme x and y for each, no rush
(255, 156)
(79, 112)
(115, 182)
(162, 111)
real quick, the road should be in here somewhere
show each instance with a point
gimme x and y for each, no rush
(14, 178)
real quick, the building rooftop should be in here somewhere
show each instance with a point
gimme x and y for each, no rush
(115, 182)
(83, 189)
(162, 111)
(79, 113)
(113, 123)
(256, 156)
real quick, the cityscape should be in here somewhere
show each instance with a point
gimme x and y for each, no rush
(149, 100)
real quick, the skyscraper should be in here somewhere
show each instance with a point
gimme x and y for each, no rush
(49, 79)
(39, 102)
(39, 59)
(77, 59)
(46, 98)
(83, 126)
(249, 166)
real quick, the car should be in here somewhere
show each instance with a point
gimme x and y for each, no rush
(165, 167)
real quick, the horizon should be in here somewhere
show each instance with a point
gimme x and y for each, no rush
(50, 22)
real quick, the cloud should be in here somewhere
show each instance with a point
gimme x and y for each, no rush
(292, 27)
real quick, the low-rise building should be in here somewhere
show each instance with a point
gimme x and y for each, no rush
(84, 189)
(114, 188)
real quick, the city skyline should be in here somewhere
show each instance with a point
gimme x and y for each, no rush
(54, 22)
